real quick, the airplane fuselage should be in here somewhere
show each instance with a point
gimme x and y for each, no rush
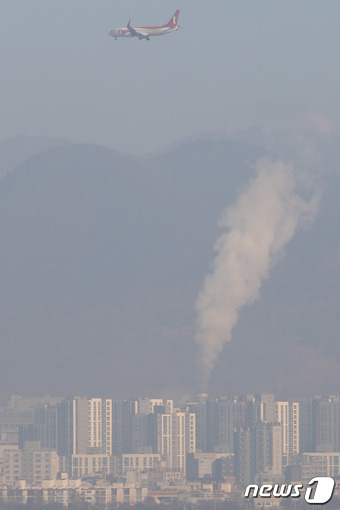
(146, 31)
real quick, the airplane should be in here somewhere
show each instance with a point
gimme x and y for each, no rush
(146, 32)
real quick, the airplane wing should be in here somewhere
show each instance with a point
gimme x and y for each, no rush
(137, 33)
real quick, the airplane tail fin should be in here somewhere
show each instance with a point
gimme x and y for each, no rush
(174, 20)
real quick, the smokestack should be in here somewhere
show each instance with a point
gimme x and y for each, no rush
(264, 219)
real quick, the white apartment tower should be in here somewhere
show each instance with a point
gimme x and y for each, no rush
(147, 405)
(100, 425)
(176, 438)
(287, 414)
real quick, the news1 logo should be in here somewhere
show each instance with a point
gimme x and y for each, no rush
(319, 491)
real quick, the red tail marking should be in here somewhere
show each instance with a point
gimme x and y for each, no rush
(174, 20)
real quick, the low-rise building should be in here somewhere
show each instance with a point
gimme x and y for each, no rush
(30, 464)
(214, 466)
(140, 462)
(320, 464)
(70, 491)
(89, 464)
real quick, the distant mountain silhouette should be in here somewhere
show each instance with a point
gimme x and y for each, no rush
(103, 255)
(16, 150)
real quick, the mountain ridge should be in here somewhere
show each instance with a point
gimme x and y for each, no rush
(104, 255)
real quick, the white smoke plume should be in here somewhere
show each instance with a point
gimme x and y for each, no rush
(260, 224)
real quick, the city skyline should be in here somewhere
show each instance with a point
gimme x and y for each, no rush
(170, 276)
(212, 448)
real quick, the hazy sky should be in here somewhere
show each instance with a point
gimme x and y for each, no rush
(232, 64)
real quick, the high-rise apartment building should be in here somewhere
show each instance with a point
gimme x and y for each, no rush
(287, 414)
(328, 424)
(45, 426)
(217, 418)
(258, 453)
(52, 426)
(268, 407)
(176, 437)
(122, 413)
(80, 425)
(144, 432)
(308, 427)
(147, 405)
(206, 412)
(100, 425)
(232, 413)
